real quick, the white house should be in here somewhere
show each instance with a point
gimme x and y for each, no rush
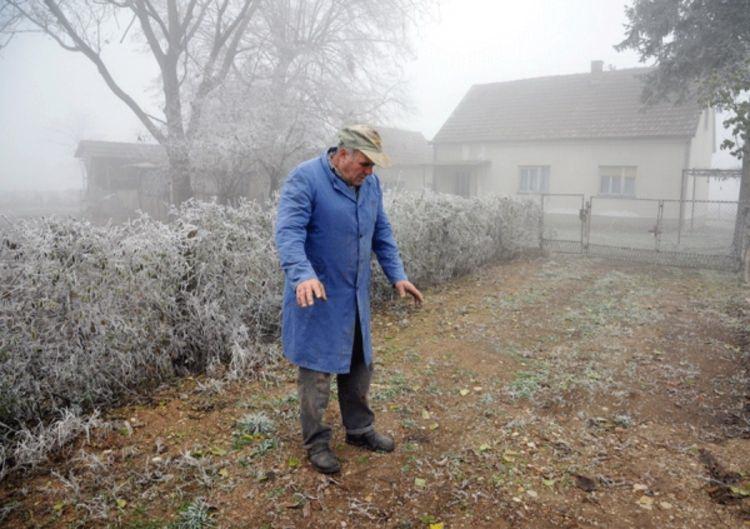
(585, 133)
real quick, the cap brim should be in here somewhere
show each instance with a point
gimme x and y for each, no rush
(378, 158)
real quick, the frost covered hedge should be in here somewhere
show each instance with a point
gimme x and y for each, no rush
(89, 315)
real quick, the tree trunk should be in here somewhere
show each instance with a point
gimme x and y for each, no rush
(743, 209)
(274, 181)
(179, 173)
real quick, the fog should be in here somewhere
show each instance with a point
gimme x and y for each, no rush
(51, 98)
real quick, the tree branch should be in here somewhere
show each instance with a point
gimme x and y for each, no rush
(141, 11)
(83, 47)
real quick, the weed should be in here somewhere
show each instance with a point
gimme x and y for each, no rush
(196, 515)
(255, 424)
(262, 448)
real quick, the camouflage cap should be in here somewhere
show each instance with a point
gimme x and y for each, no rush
(365, 139)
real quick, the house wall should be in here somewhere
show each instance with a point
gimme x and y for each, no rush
(702, 147)
(703, 144)
(574, 165)
(407, 177)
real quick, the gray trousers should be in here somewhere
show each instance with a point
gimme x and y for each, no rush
(314, 389)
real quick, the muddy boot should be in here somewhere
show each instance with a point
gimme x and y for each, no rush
(323, 459)
(372, 440)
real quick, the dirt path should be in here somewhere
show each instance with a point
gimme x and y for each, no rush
(556, 392)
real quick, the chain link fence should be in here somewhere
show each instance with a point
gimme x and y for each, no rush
(697, 233)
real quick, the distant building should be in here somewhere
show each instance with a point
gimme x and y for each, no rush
(121, 178)
(585, 133)
(411, 156)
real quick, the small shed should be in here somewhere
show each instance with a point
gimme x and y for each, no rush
(121, 178)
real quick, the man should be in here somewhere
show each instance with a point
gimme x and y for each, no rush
(330, 220)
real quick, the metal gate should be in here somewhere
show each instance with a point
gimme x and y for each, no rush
(698, 233)
(561, 223)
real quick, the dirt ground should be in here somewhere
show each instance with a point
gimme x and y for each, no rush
(555, 392)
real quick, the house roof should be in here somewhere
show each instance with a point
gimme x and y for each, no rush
(405, 147)
(581, 106)
(116, 149)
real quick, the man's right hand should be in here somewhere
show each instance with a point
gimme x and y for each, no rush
(307, 289)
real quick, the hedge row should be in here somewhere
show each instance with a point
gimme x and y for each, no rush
(90, 315)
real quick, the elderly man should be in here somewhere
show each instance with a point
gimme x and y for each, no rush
(330, 220)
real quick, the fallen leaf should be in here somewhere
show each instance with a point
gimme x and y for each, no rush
(484, 447)
(121, 503)
(640, 487)
(585, 483)
(59, 506)
(665, 505)
(532, 493)
(420, 483)
(215, 450)
(743, 490)
(434, 426)
(439, 525)
(464, 392)
(425, 414)
(646, 502)
(548, 482)
(224, 473)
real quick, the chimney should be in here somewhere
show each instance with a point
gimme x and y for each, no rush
(597, 66)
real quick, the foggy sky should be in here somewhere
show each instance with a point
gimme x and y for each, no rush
(51, 98)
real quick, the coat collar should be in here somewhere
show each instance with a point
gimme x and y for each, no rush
(338, 184)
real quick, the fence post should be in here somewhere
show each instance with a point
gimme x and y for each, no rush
(692, 209)
(582, 218)
(658, 227)
(587, 227)
(541, 221)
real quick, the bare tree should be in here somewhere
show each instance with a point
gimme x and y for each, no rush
(194, 43)
(263, 82)
(316, 64)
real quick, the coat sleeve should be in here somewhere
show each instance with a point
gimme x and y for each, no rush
(384, 245)
(295, 208)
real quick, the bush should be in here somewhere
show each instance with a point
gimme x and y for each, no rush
(89, 315)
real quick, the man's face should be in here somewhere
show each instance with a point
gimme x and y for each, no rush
(354, 167)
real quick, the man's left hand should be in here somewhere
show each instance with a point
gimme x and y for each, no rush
(405, 287)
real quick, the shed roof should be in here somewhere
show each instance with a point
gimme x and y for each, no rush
(603, 104)
(405, 147)
(117, 149)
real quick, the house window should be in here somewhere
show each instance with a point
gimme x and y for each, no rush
(617, 180)
(534, 179)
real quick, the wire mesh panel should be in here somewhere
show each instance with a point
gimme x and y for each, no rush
(562, 222)
(709, 227)
(623, 223)
(697, 233)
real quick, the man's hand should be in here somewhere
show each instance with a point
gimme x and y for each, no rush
(405, 287)
(307, 289)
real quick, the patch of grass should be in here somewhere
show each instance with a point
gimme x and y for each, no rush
(526, 384)
(395, 385)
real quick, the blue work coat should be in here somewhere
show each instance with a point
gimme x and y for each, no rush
(325, 230)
